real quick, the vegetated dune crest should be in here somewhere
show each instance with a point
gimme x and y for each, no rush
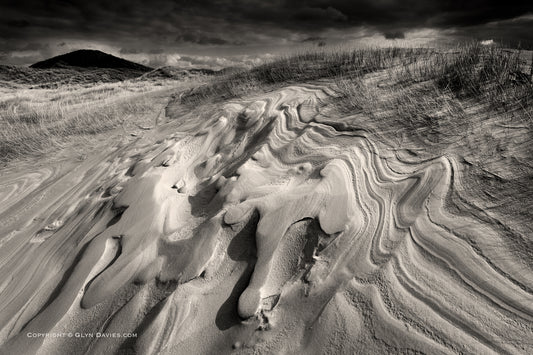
(261, 227)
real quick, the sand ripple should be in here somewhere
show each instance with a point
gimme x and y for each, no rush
(262, 226)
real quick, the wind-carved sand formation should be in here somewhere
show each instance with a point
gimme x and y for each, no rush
(259, 227)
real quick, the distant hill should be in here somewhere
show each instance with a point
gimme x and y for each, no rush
(79, 67)
(88, 58)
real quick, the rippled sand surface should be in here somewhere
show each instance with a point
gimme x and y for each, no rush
(261, 226)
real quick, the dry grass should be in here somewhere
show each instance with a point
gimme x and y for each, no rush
(32, 121)
(431, 92)
(470, 71)
(301, 68)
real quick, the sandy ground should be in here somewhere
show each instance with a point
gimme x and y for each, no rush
(256, 227)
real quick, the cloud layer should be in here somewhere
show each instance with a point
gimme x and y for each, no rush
(34, 29)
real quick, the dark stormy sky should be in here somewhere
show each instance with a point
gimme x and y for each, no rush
(218, 33)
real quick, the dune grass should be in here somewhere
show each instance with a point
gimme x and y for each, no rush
(435, 88)
(32, 121)
(301, 68)
(491, 74)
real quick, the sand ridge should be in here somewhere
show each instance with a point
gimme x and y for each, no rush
(259, 227)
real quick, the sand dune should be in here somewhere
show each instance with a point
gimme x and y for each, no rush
(257, 227)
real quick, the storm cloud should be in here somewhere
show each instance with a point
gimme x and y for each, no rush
(232, 27)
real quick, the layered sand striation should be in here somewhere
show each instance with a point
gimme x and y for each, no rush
(259, 227)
